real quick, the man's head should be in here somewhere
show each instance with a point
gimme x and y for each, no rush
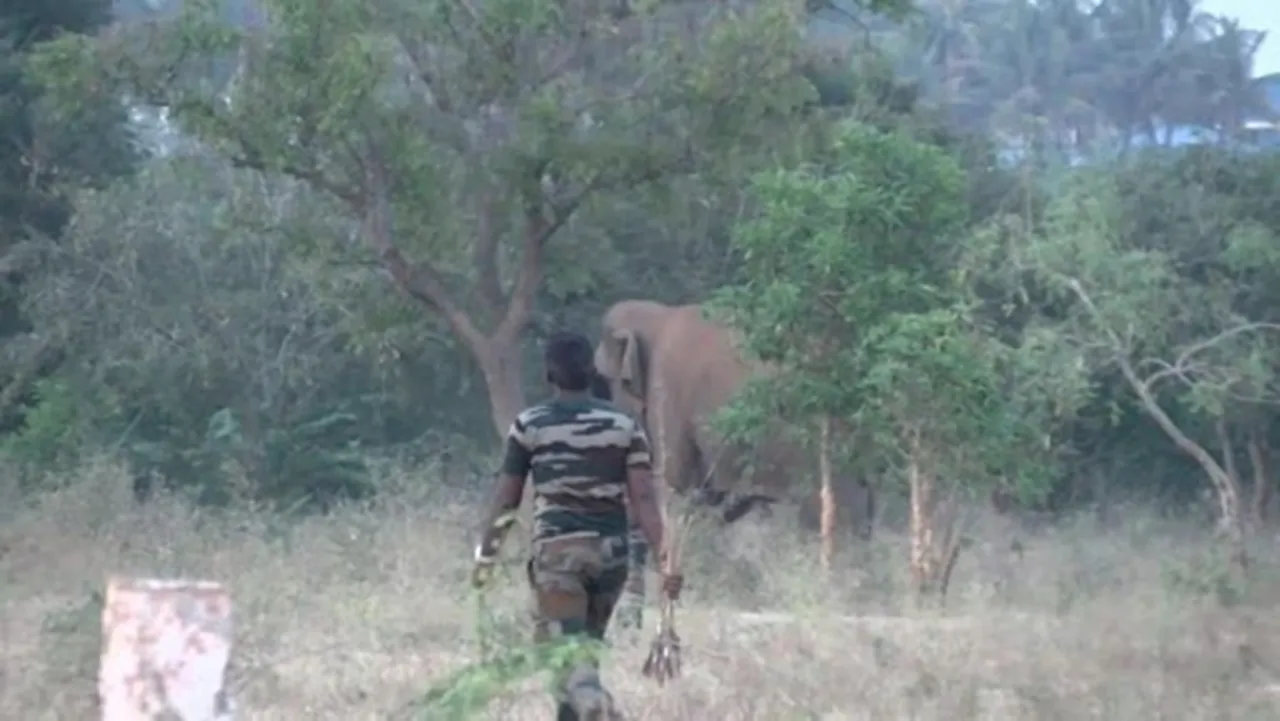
(600, 387)
(569, 359)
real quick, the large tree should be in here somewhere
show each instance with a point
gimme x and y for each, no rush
(466, 139)
(850, 290)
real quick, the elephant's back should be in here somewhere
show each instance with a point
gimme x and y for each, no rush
(714, 368)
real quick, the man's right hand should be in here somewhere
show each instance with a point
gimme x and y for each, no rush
(482, 568)
(672, 580)
(672, 584)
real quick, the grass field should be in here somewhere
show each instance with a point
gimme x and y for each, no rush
(355, 616)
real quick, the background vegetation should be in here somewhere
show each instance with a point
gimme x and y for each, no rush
(255, 253)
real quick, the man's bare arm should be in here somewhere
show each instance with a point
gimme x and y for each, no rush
(516, 464)
(506, 500)
(643, 497)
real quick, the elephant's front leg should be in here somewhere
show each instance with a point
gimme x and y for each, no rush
(674, 456)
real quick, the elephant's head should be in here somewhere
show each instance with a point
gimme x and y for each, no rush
(622, 355)
(621, 358)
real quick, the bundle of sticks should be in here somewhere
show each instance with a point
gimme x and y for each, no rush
(664, 661)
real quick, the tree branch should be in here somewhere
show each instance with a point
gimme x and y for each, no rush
(1228, 449)
(420, 282)
(1259, 455)
(538, 230)
(1180, 368)
(250, 158)
(484, 255)
(1143, 390)
(372, 203)
(439, 92)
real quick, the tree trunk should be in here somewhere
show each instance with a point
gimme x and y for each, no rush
(827, 513)
(1260, 459)
(935, 545)
(1227, 490)
(500, 362)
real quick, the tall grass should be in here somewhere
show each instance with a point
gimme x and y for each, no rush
(366, 614)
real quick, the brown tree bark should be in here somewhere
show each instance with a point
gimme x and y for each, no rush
(500, 362)
(1259, 449)
(827, 513)
(935, 544)
(1230, 524)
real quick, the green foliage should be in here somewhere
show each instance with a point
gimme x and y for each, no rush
(465, 693)
(1160, 302)
(48, 153)
(50, 437)
(1153, 275)
(328, 80)
(302, 466)
(467, 141)
(507, 657)
(214, 323)
(45, 156)
(203, 351)
(849, 290)
(863, 233)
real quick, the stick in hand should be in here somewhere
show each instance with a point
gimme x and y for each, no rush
(663, 663)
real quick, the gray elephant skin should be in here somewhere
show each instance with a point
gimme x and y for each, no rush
(674, 369)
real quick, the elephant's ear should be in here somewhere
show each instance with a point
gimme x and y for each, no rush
(631, 369)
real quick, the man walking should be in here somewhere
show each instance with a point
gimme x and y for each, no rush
(630, 611)
(588, 461)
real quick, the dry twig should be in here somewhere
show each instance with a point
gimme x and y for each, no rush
(664, 661)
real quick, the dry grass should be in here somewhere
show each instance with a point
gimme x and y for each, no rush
(354, 616)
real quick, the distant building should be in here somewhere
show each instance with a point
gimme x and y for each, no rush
(1271, 90)
(1265, 132)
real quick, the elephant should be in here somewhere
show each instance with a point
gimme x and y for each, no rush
(673, 368)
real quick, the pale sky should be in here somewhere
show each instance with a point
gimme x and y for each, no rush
(1254, 15)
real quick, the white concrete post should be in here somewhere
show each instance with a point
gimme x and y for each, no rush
(165, 650)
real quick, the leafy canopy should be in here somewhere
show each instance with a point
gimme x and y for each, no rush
(850, 292)
(469, 112)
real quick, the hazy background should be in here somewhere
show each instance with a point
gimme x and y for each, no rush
(1259, 15)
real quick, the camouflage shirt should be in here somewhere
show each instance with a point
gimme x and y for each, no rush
(577, 453)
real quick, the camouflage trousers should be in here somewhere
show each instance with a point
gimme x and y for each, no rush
(576, 583)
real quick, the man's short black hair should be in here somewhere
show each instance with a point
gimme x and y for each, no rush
(570, 361)
(600, 387)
